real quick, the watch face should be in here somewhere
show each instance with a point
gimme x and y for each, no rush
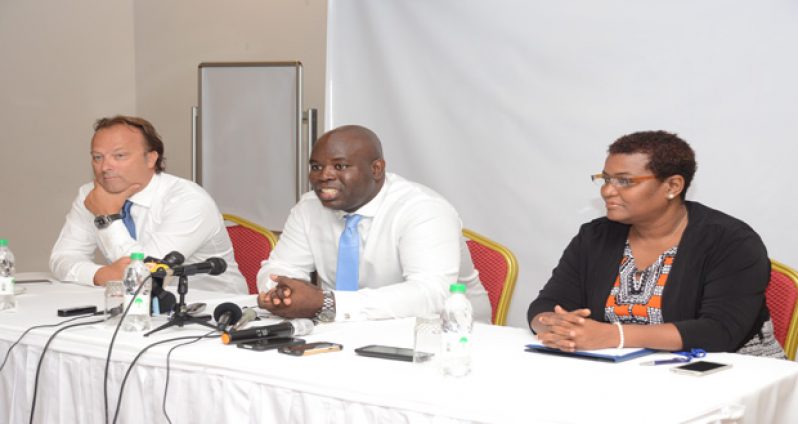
(101, 221)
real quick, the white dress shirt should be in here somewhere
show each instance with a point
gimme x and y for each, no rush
(171, 214)
(411, 250)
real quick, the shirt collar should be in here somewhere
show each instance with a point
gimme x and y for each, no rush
(369, 210)
(147, 194)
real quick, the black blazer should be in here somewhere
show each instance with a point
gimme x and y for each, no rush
(715, 293)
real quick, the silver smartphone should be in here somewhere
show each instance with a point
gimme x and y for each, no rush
(699, 368)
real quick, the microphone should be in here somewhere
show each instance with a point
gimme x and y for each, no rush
(161, 300)
(248, 315)
(226, 314)
(171, 259)
(297, 327)
(212, 266)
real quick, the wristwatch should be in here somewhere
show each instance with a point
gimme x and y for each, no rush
(327, 311)
(103, 221)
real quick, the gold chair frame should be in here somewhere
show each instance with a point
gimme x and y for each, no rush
(252, 226)
(509, 281)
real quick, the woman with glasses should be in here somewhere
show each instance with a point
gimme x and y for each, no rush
(658, 271)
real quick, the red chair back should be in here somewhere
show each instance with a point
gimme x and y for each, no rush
(252, 245)
(782, 300)
(498, 271)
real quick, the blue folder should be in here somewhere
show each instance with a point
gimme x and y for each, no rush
(606, 355)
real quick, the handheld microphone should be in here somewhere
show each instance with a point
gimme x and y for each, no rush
(212, 266)
(226, 314)
(297, 327)
(248, 315)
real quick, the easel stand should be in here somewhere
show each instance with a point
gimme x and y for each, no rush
(181, 316)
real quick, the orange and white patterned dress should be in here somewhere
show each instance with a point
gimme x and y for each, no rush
(636, 295)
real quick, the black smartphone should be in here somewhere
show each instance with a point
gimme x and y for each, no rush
(388, 352)
(77, 310)
(310, 348)
(699, 368)
(269, 344)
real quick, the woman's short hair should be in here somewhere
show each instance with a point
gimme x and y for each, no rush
(668, 154)
(154, 142)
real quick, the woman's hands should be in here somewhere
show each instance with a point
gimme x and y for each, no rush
(572, 330)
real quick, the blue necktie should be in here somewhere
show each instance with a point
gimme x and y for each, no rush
(346, 275)
(127, 218)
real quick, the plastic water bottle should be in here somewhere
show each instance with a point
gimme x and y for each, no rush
(7, 299)
(138, 317)
(458, 320)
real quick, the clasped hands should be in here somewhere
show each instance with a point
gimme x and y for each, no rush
(291, 298)
(572, 330)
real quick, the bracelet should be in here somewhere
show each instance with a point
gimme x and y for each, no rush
(620, 334)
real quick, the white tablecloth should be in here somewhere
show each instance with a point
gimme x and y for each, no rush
(213, 383)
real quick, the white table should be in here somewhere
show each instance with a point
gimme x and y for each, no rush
(214, 383)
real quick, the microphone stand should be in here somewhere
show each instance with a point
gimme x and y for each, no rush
(181, 315)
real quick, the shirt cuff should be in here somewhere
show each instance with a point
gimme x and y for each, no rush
(348, 307)
(85, 273)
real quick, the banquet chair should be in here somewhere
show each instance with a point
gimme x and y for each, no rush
(252, 244)
(782, 300)
(498, 270)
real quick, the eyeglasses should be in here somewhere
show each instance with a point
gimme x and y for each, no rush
(619, 182)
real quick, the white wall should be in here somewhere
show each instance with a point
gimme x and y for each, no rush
(506, 107)
(65, 64)
(174, 37)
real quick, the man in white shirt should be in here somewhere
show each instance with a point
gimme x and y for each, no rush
(410, 241)
(132, 206)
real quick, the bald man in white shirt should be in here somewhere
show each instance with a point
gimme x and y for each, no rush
(132, 206)
(410, 241)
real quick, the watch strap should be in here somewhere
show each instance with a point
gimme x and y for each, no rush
(327, 311)
(103, 221)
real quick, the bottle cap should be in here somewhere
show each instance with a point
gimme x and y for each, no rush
(137, 256)
(3, 242)
(457, 288)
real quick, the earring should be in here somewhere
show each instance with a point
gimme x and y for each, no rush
(670, 196)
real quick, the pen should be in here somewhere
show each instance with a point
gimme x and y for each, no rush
(676, 360)
(680, 358)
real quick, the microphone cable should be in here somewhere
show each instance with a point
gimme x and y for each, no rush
(41, 361)
(168, 356)
(8, 353)
(139, 355)
(113, 338)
